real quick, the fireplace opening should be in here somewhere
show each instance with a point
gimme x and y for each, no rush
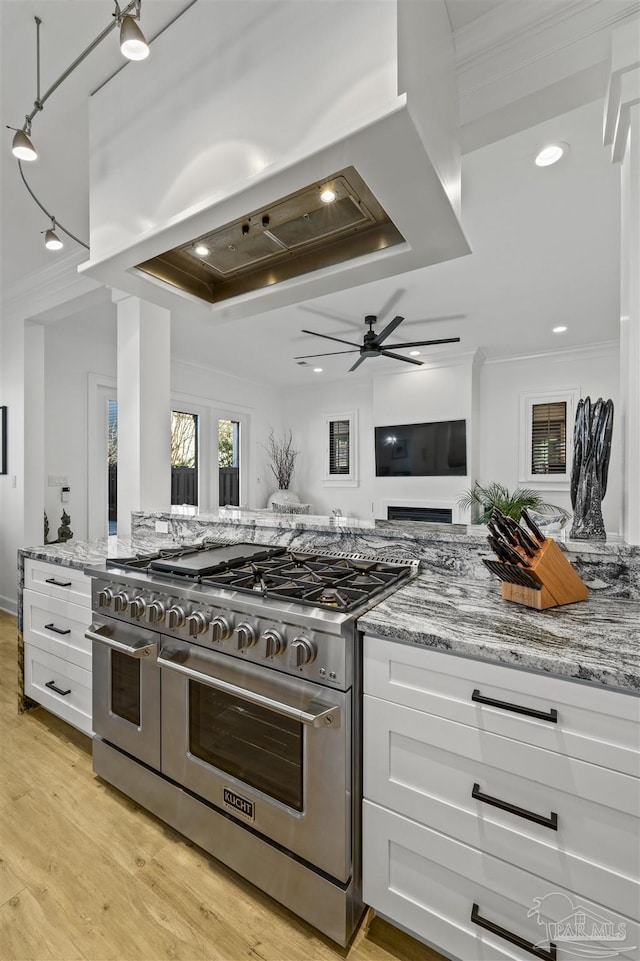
(432, 515)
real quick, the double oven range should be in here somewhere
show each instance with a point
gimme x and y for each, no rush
(227, 701)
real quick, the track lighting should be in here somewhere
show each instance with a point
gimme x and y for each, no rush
(21, 147)
(133, 46)
(51, 239)
(132, 42)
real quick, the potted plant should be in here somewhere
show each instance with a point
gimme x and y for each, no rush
(282, 461)
(485, 498)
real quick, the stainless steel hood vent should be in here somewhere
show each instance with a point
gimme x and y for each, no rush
(296, 234)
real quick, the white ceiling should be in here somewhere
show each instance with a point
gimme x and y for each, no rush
(544, 241)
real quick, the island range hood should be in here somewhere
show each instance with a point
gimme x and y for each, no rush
(207, 176)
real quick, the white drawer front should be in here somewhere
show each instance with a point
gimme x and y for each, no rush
(69, 692)
(429, 883)
(65, 583)
(593, 723)
(58, 627)
(426, 768)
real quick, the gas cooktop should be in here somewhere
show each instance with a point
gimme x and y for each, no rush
(304, 577)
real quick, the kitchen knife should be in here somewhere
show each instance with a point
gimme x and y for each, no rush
(533, 527)
(498, 547)
(512, 574)
(500, 522)
(513, 557)
(528, 546)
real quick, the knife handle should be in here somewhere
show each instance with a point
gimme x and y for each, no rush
(533, 527)
(520, 535)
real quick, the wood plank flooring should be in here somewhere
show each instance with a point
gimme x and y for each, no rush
(87, 874)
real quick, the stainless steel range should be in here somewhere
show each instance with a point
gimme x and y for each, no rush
(227, 701)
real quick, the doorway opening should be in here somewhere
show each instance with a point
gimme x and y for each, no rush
(229, 463)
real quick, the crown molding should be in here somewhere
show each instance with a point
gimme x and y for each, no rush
(49, 287)
(606, 347)
(503, 44)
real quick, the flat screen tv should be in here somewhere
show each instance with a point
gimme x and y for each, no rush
(438, 449)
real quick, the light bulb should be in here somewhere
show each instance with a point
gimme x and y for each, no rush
(132, 42)
(328, 195)
(22, 148)
(52, 241)
(551, 154)
(201, 250)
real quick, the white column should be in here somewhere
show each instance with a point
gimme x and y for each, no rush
(622, 135)
(144, 408)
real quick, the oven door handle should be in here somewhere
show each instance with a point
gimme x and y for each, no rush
(141, 648)
(322, 716)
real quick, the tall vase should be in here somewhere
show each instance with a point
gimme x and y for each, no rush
(282, 496)
(591, 451)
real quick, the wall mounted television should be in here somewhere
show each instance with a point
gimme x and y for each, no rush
(438, 449)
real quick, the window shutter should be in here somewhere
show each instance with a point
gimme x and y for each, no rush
(549, 438)
(339, 447)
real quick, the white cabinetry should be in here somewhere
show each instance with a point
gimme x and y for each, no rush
(499, 802)
(56, 611)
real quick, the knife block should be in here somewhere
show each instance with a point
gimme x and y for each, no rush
(561, 583)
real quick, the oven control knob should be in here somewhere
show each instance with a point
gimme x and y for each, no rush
(105, 597)
(301, 651)
(274, 643)
(221, 628)
(138, 606)
(121, 601)
(197, 623)
(176, 616)
(156, 611)
(246, 635)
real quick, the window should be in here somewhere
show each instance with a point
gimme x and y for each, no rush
(340, 454)
(546, 436)
(184, 457)
(549, 438)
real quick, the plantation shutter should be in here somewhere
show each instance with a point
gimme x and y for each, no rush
(549, 438)
(339, 447)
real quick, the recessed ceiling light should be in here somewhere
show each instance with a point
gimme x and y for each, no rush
(201, 250)
(414, 353)
(317, 370)
(328, 195)
(551, 154)
(559, 330)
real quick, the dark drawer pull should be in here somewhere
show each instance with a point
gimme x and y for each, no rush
(529, 946)
(52, 687)
(551, 715)
(550, 822)
(52, 580)
(58, 630)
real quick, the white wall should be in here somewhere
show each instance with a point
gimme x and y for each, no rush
(594, 371)
(74, 347)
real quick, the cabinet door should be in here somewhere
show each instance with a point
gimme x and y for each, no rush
(584, 721)
(442, 890)
(58, 627)
(65, 583)
(58, 685)
(488, 791)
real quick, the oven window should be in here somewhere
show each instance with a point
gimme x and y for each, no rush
(252, 743)
(125, 687)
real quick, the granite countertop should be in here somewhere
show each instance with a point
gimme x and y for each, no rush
(596, 640)
(450, 609)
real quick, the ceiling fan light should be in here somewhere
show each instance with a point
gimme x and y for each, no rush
(52, 241)
(22, 148)
(132, 42)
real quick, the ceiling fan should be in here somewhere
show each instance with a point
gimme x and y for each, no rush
(372, 343)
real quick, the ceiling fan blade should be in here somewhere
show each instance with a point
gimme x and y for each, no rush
(389, 329)
(359, 361)
(427, 343)
(408, 360)
(328, 337)
(332, 353)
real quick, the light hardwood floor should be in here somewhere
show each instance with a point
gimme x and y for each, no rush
(87, 874)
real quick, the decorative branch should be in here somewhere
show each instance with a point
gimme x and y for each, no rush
(282, 457)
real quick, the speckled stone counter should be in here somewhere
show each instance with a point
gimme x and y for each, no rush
(597, 640)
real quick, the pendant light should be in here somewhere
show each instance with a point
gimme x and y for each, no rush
(132, 42)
